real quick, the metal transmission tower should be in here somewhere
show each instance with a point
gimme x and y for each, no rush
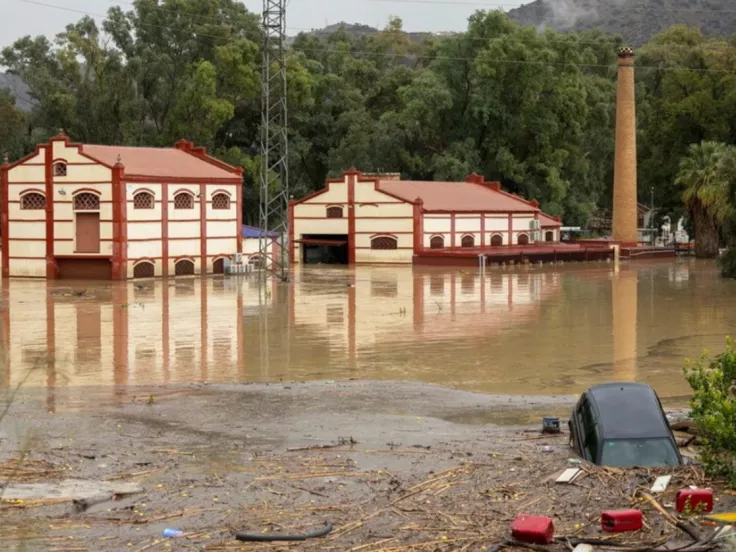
(274, 190)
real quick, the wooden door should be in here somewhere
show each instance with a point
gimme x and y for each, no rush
(88, 233)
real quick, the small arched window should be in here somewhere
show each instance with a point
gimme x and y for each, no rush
(143, 200)
(183, 200)
(496, 240)
(59, 168)
(334, 212)
(184, 267)
(549, 236)
(383, 242)
(33, 202)
(220, 201)
(468, 241)
(143, 269)
(218, 267)
(523, 239)
(86, 202)
(437, 242)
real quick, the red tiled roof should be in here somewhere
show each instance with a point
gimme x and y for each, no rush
(456, 196)
(158, 162)
(546, 220)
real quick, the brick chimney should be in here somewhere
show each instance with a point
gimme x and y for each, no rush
(624, 171)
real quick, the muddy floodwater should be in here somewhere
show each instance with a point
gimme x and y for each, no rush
(549, 330)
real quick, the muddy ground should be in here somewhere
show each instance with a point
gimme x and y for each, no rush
(393, 466)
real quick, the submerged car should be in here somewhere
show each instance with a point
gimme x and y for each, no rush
(623, 425)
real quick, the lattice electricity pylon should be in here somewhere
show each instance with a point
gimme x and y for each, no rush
(274, 189)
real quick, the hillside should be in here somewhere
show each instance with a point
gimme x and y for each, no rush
(19, 90)
(636, 20)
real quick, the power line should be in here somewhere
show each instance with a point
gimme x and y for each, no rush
(428, 57)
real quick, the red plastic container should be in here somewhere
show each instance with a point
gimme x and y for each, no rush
(694, 498)
(618, 521)
(533, 529)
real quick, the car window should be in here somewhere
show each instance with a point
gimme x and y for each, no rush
(592, 440)
(639, 452)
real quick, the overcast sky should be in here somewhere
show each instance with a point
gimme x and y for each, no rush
(19, 18)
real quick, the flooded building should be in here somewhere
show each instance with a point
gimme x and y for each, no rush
(362, 218)
(115, 212)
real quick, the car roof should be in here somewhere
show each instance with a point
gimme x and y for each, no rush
(628, 411)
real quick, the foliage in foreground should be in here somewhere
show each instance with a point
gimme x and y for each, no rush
(714, 410)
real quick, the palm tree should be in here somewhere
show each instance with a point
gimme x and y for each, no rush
(704, 176)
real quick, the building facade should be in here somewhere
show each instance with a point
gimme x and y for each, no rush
(363, 218)
(115, 212)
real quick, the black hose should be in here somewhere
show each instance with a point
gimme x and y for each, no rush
(269, 538)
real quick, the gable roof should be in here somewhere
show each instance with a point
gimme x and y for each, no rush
(457, 196)
(546, 221)
(160, 162)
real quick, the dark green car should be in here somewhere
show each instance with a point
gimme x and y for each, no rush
(623, 425)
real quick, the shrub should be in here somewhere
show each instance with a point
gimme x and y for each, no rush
(713, 404)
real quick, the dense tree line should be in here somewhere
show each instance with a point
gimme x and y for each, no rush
(534, 110)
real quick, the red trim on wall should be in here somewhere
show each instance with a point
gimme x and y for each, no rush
(31, 220)
(510, 239)
(291, 238)
(165, 232)
(239, 216)
(358, 217)
(362, 247)
(119, 226)
(143, 260)
(141, 190)
(351, 218)
(143, 179)
(35, 239)
(82, 183)
(203, 227)
(30, 191)
(387, 234)
(81, 256)
(482, 232)
(4, 218)
(51, 270)
(94, 191)
(452, 230)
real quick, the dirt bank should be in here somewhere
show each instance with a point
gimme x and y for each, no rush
(403, 466)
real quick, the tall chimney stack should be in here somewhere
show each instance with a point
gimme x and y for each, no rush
(624, 172)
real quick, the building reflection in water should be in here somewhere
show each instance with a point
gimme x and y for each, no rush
(624, 302)
(519, 331)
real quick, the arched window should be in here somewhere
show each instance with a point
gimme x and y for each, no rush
(33, 202)
(549, 236)
(220, 201)
(496, 240)
(437, 242)
(143, 269)
(184, 267)
(143, 200)
(86, 202)
(218, 267)
(334, 212)
(468, 241)
(59, 168)
(383, 242)
(523, 239)
(183, 200)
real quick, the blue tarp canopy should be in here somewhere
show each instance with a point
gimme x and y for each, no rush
(253, 232)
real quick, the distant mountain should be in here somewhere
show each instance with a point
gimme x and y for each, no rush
(19, 90)
(357, 30)
(636, 20)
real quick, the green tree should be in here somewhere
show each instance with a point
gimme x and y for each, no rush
(705, 186)
(14, 128)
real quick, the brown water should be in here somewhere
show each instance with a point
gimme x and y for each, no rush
(522, 331)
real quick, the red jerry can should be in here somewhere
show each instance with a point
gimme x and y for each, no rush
(618, 521)
(533, 529)
(694, 499)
